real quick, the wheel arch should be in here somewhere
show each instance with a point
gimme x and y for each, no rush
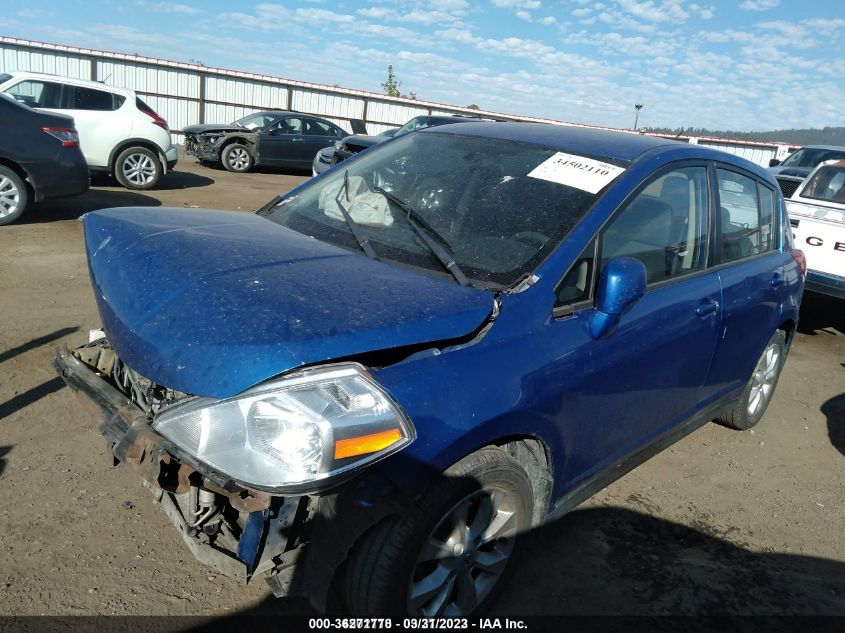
(20, 171)
(136, 142)
(250, 145)
(788, 327)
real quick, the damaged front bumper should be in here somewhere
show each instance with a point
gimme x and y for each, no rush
(203, 147)
(238, 532)
(296, 542)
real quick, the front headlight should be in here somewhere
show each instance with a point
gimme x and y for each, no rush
(303, 428)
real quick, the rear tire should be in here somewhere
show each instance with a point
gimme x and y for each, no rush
(452, 553)
(137, 168)
(237, 158)
(14, 196)
(760, 388)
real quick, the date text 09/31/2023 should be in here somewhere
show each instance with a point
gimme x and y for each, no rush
(415, 623)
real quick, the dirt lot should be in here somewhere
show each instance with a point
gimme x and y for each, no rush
(722, 523)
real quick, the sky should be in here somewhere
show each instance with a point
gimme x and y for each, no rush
(742, 65)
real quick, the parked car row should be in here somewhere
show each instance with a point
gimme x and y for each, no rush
(441, 344)
(55, 130)
(119, 134)
(39, 158)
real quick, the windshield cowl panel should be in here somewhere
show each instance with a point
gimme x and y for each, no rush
(500, 206)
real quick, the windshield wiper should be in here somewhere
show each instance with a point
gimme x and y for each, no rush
(354, 227)
(442, 251)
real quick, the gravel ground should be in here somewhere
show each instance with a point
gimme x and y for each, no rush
(722, 523)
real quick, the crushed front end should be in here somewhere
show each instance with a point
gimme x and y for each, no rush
(238, 531)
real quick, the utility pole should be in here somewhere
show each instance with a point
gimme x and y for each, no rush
(637, 108)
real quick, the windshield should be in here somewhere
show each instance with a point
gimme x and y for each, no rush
(4, 77)
(255, 121)
(828, 183)
(475, 193)
(810, 157)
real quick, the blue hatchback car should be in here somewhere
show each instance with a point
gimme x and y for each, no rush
(378, 383)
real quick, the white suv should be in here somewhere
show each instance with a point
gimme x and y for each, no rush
(118, 133)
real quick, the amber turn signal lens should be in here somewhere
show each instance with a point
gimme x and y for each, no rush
(364, 444)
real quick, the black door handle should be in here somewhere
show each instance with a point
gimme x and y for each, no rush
(776, 280)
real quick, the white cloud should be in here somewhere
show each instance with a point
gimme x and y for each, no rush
(579, 13)
(517, 4)
(450, 5)
(705, 12)
(548, 20)
(648, 10)
(462, 36)
(171, 7)
(523, 15)
(759, 5)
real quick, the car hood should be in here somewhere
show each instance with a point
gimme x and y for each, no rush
(795, 172)
(214, 127)
(213, 302)
(361, 140)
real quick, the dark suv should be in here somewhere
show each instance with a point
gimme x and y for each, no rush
(39, 158)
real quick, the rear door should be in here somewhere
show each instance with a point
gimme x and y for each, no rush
(319, 135)
(103, 121)
(752, 270)
(283, 144)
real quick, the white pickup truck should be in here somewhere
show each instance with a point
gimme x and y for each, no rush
(817, 214)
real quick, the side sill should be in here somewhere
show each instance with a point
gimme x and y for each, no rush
(622, 467)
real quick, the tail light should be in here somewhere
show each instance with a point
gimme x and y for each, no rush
(67, 135)
(157, 120)
(800, 259)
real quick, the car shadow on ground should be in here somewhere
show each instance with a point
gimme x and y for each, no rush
(183, 180)
(36, 342)
(613, 561)
(93, 199)
(30, 396)
(834, 410)
(4, 450)
(821, 313)
(264, 169)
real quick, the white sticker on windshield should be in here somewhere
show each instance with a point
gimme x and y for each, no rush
(576, 171)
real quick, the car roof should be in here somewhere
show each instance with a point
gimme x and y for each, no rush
(626, 146)
(126, 92)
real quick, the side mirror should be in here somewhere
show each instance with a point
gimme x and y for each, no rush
(621, 283)
(774, 162)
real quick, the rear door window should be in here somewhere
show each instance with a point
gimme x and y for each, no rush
(746, 216)
(84, 98)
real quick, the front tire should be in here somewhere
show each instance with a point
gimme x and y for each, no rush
(237, 158)
(760, 388)
(137, 168)
(452, 553)
(14, 196)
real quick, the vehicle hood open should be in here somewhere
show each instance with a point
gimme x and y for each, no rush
(204, 128)
(214, 302)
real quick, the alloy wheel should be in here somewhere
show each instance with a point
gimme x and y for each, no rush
(139, 169)
(10, 197)
(764, 378)
(464, 556)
